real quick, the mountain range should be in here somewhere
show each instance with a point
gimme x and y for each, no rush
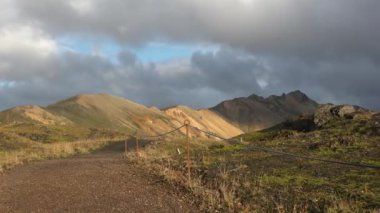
(103, 111)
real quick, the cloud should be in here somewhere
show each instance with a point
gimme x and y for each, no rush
(317, 28)
(22, 51)
(335, 81)
(199, 81)
(229, 71)
(329, 49)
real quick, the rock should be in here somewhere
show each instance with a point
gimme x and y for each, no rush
(328, 112)
(376, 116)
(349, 111)
(323, 114)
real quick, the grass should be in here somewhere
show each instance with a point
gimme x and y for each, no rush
(9, 159)
(230, 178)
(25, 142)
(56, 133)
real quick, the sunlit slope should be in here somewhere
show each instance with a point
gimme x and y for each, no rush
(31, 114)
(107, 111)
(88, 115)
(203, 119)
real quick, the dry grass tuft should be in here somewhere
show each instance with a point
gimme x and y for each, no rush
(225, 179)
(50, 151)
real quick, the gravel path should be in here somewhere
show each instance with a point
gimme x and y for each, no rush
(98, 182)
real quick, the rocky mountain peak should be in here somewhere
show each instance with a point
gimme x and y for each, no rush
(255, 112)
(255, 97)
(298, 95)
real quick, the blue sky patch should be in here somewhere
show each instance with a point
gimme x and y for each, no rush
(158, 52)
(152, 52)
(7, 84)
(90, 45)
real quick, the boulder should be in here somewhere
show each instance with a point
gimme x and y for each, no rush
(328, 112)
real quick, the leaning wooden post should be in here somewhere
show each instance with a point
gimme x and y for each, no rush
(137, 146)
(125, 147)
(187, 123)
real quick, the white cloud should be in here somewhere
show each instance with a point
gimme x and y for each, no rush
(23, 39)
(25, 52)
(8, 12)
(82, 6)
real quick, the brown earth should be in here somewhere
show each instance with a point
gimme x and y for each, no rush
(98, 182)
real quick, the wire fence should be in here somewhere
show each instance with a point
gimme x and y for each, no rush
(147, 137)
(254, 147)
(228, 175)
(268, 150)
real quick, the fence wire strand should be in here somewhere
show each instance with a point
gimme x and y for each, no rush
(163, 134)
(268, 150)
(264, 149)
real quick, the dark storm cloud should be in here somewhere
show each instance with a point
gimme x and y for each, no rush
(329, 49)
(336, 81)
(197, 82)
(204, 80)
(133, 21)
(230, 72)
(315, 28)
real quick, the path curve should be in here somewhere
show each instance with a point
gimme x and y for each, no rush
(98, 182)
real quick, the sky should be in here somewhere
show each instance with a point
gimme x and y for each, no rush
(189, 52)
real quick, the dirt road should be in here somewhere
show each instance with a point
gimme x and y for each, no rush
(98, 182)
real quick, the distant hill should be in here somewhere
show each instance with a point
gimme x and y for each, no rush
(99, 115)
(256, 112)
(92, 115)
(107, 111)
(32, 113)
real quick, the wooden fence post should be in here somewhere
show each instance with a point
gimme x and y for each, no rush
(125, 147)
(137, 146)
(187, 123)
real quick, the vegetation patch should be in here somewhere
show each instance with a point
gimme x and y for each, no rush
(232, 178)
(24, 142)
